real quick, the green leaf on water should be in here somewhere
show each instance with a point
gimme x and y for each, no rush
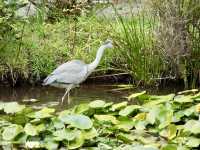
(89, 134)
(156, 100)
(188, 91)
(152, 115)
(193, 142)
(33, 144)
(134, 95)
(108, 104)
(165, 116)
(127, 138)
(125, 124)
(44, 113)
(129, 109)
(170, 132)
(144, 147)
(140, 125)
(97, 104)
(51, 145)
(192, 126)
(169, 147)
(81, 108)
(106, 118)
(57, 123)
(189, 111)
(119, 106)
(65, 134)
(30, 129)
(78, 121)
(41, 127)
(32, 100)
(13, 107)
(10, 132)
(183, 99)
(78, 142)
(21, 138)
(2, 105)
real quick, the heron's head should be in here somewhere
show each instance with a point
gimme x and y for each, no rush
(108, 44)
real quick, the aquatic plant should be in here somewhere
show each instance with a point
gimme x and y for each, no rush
(178, 37)
(161, 122)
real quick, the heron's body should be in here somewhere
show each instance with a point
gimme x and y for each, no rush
(72, 73)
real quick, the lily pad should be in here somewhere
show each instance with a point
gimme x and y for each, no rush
(170, 132)
(10, 132)
(125, 124)
(169, 147)
(119, 106)
(30, 129)
(193, 142)
(128, 138)
(97, 104)
(134, 95)
(33, 144)
(106, 118)
(44, 113)
(188, 91)
(156, 100)
(78, 121)
(183, 99)
(81, 108)
(78, 142)
(65, 134)
(129, 109)
(51, 145)
(192, 126)
(89, 134)
(13, 107)
(32, 100)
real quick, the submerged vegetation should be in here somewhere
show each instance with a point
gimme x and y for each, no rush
(159, 42)
(166, 122)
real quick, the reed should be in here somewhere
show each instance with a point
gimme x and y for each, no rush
(136, 46)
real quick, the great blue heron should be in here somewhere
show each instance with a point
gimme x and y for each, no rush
(72, 73)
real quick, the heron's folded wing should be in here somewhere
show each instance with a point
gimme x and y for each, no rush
(72, 77)
(74, 66)
(72, 72)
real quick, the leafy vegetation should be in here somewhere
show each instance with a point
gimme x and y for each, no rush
(166, 122)
(156, 43)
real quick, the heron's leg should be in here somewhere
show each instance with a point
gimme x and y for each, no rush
(68, 99)
(67, 92)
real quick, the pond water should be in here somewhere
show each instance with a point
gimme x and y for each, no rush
(50, 96)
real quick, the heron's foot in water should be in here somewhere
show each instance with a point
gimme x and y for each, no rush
(62, 100)
(68, 98)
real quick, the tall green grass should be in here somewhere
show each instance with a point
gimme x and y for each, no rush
(44, 46)
(137, 53)
(179, 37)
(146, 44)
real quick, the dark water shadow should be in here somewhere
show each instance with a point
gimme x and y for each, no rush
(50, 96)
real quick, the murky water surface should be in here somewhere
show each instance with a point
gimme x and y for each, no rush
(50, 96)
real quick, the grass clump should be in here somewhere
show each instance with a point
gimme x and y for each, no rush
(45, 45)
(152, 44)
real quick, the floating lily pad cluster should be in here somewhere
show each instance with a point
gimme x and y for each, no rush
(167, 122)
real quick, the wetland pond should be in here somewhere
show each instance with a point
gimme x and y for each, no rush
(50, 96)
(100, 117)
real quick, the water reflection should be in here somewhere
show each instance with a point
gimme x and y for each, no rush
(50, 96)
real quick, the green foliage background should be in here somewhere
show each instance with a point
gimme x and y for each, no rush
(32, 47)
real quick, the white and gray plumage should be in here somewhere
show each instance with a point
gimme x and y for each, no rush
(72, 73)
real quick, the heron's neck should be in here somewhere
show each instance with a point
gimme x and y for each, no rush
(95, 63)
